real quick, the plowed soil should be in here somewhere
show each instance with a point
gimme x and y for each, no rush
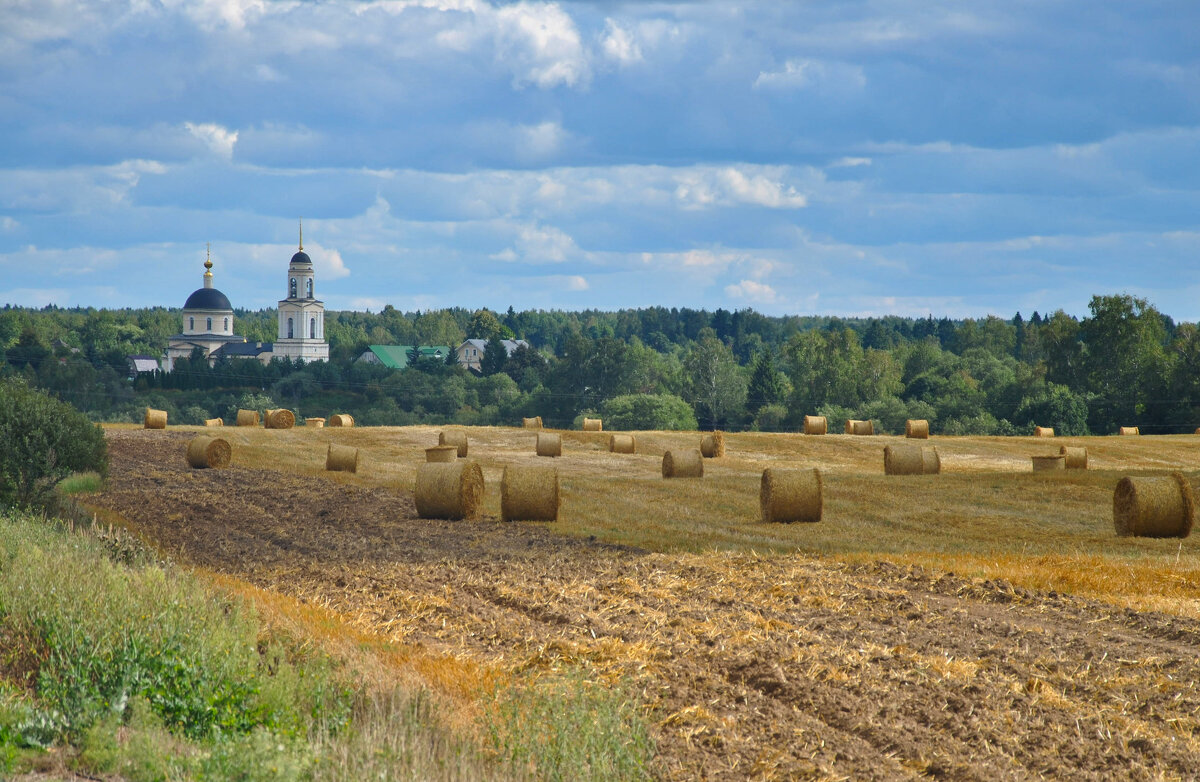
(781, 667)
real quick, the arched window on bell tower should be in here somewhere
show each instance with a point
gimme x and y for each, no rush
(312, 328)
(310, 287)
(292, 289)
(289, 328)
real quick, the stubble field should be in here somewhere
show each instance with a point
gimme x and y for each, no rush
(980, 624)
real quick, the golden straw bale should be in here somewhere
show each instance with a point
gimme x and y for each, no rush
(1197, 431)
(341, 419)
(815, 424)
(791, 495)
(315, 423)
(247, 418)
(1043, 431)
(341, 458)
(279, 419)
(622, 443)
(593, 425)
(456, 437)
(1129, 430)
(214, 421)
(532, 423)
(1043, 463)
(529, 493)
(854, 426)
(155, 419)
(1074, 458)
(1157, 507)
(916, 429)
(441, 453)
(448, 491)
(687, 463)
(205, 451)
(549, 444)
(911, 460)
(712, 445)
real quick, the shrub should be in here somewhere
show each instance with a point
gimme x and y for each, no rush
(45, 440)
(648, 411)
(770, 418)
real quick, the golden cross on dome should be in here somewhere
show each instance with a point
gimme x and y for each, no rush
(301, 234)
(208, 258)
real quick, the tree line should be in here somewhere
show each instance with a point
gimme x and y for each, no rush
(1125, 363)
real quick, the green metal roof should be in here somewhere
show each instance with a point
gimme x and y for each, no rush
(396, 356)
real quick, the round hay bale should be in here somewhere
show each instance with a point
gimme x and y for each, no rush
(1043, 463)
(815, 424)
(712, 445)
(688, 463)
(549, 444)
(862, 427)
(456, 437)
(903, 460)
(214, 421)
(1197, 431)
(622, 443)
(916, 429)
(931, 463)
(1157, 507)
(1074, 458)
(341, 458)
(791, 495)
(532, 423)
(448, 491)
(205, 451)
(1127, 431)
(441, 453)
(314, 423)
(247, 418)
(1043, 431)
(341, 419)
(593, 425)
(529, 493)
(279, 419)
(155, 419)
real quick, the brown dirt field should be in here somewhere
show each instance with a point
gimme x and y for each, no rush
(773, 667)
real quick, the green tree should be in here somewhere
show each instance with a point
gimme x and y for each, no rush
(495, 355)
(648, 412)
(768, 386)
(1126, 363)
(714, 382)
(45, 440)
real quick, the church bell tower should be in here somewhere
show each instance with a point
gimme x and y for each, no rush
(301, 314)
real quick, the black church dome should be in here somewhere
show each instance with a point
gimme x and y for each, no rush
(207, 299)
(301, 258)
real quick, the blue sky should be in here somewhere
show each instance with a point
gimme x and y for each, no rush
(852, 158)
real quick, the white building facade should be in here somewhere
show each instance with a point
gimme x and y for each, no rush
(301, 314)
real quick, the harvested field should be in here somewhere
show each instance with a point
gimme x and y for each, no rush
(810, 658)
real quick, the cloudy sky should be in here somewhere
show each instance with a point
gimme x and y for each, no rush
(823, 157)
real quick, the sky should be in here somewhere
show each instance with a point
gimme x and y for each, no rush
(832, 157)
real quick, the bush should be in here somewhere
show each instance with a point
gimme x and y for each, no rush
(45, 440)
(648, 411)
(770, 418)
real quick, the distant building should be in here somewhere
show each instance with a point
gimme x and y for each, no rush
(207, 323)
(397, 356)
(301, 315)
(141, 364)
(470, 352)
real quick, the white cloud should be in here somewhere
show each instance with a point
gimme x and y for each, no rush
(540, 42)
(699, 188)
(211, 14)
(539, 244)
(217, 138)
(618, 44)
(8, 225)
(751, 291)
(577, 283)
(807, 73)
(850, 162)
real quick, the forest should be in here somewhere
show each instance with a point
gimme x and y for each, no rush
(1123, 364)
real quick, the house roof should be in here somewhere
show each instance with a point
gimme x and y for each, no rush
(143, 363)
(396, 356)
(509, 344)
(244, 349)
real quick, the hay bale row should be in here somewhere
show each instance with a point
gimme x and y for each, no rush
(791, 495)
(341, 419)
(448, 491)
(155, 419)
(712, 445)
(214, 421)
(441, 453)
(549, 444)
(247, 418)
(1045, 463)
(204, 452)
(1157, 507)
(688, 463)
(279, 419)
(455, 437)
(593, 425)
(916, 429)
(815, 424)
(854, 426)
(532, 423)
(622, 443)
(341, 458)
(911, 460)
(1074, 458)
(1127, 431)
(529, 493)
(1043, 431)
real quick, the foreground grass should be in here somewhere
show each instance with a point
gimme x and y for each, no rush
(136, 668)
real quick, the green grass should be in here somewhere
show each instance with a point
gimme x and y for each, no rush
(80, 483)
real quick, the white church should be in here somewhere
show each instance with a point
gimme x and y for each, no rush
(208, 322)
